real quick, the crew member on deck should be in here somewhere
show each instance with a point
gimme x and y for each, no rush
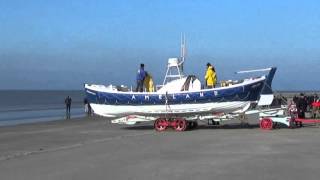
(211, 77)
(141, 75)
(148, 82)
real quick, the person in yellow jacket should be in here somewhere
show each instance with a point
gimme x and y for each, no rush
(148, 83)
(211, 76)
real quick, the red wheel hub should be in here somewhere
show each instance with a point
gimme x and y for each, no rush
(179, 124)
(161, 124)
(266, 124)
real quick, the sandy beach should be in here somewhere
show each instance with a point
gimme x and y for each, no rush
(164, 65)
(93, 148)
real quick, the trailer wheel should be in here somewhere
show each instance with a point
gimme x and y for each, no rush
(161, 124)
(195, 124)
(179, 124)
(189, 125)
(266, 124)
(192, 124)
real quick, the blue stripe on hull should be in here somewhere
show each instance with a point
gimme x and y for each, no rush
(249, 92)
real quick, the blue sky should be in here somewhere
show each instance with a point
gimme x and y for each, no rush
(62, 44)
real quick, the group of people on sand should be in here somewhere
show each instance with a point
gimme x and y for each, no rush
(87, 107)
(310, 103)
(144, 79)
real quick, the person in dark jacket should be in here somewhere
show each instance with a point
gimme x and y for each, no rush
(87, 107)
(141, 74)
(295, 99)
(68, 102)
(301, 107)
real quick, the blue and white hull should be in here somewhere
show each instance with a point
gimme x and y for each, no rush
(177, 109)
(109, 102)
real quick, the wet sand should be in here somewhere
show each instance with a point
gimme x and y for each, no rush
(93, 148)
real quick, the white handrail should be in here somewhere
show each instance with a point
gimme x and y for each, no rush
(254, 70)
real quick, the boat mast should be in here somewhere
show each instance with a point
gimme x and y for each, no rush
(182, 50)
(175, 65)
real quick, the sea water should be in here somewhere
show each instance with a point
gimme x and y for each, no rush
(26, 106)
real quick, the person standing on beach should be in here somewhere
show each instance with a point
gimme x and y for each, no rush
(302, 107)
(68, 102)
(87, 107)
(141, 75)
(85, 102)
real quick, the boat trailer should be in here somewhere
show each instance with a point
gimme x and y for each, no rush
(269, 119)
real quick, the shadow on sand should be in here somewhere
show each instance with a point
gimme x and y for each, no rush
(138, 127)
(224, 126)
(202, 126)
(150, 126)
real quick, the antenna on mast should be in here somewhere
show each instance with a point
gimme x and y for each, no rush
(183, 49)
